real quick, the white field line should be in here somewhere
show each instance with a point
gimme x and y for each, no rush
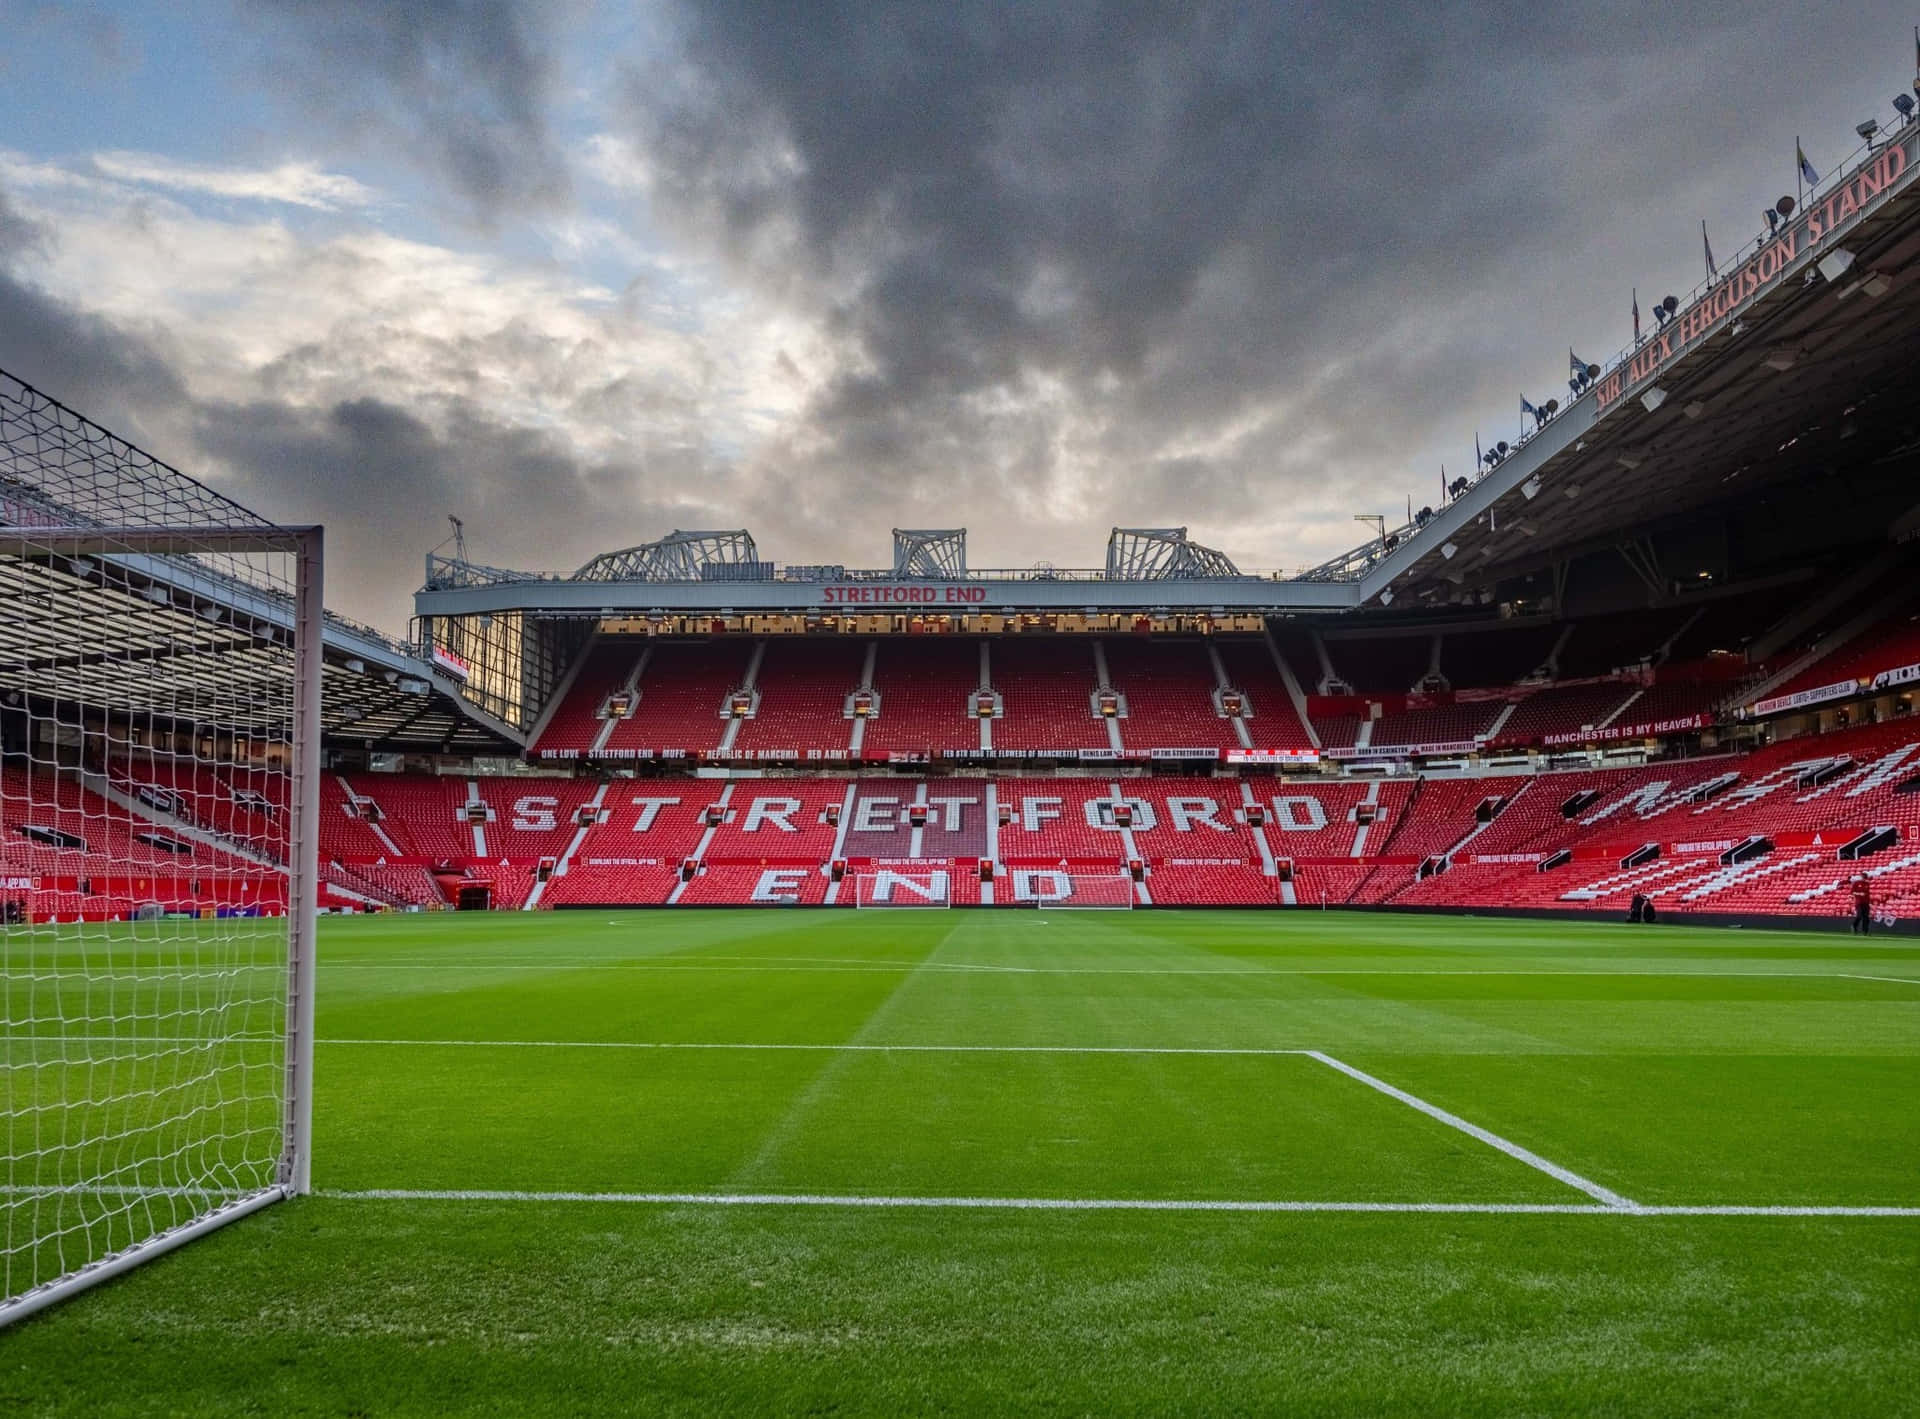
(1228, 1050)
(828, 965)
(1022, 1204)
(1095, 1204)
(1493, 1140)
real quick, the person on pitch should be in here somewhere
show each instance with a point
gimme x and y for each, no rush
(1862, 907)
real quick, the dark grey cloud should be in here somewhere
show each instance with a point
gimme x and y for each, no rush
(380, 476)
(383, 481)
(17, 232)
(1250, 268)
(462, 85)
(1245, 262)
(115, 376)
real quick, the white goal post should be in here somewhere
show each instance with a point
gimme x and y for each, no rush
(160, 676)
(1061, 890)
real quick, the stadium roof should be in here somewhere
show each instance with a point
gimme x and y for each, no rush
(210, 625)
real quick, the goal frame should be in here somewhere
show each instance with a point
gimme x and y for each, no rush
(294, 1171)
(1129, 897)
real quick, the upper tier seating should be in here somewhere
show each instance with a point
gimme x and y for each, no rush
(1563, 709)
(576, 722)
(1380, 665)
(926, 685)
(683, 692)
(1892, 643)
(1169, 687)
(1273, 723)
(1603, 644)
(1495, 657)
(1046, 687)
(803, 685)
(1439, 724)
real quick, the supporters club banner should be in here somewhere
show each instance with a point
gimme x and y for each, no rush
(1646, 729)
(1403, 751)
(1761, 272)
(1273, 756)
(1801, 699)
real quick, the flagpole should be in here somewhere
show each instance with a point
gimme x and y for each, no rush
(1799, 197)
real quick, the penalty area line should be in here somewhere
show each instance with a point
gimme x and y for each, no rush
(1513, 1150)
(1092, 1204)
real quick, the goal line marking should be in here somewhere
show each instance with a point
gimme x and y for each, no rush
(1016, 1204)
(1097, 1204)
(1254, 1050)
(845, 966)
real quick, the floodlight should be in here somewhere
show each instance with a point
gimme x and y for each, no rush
(1386, 598)
(354, 667)
(1784, 206)
(1836, 263)
(1693, 410)
(1531, 488)
(1903, 104)
(1867, 129)
(1782, 359)
(1448, 550)
(1654, 398)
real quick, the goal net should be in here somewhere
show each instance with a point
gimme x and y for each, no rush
(908, 890)
(1067, 891)
(159, 694)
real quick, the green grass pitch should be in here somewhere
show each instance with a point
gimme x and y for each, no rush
(1497, 1143)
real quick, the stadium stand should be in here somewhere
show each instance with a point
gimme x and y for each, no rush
(1274, 721)
(682, 695)
(579, 720)
(1892, 644)
(1047, 688)
(925, 685)
(1563, 710)
(1390, 665)
(804, 687)
(1168, 686)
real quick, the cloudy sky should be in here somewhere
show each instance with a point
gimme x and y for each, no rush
(584, 272)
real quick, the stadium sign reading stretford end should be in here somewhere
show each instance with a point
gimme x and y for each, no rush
(1760, 271)
(902, 594)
